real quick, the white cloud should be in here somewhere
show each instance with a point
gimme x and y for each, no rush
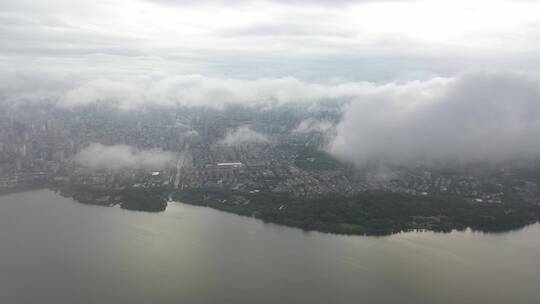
(98, 156)
(243, 135)
(310, 125)
(476, 116)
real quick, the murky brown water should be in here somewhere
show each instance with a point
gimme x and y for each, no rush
(54, 250)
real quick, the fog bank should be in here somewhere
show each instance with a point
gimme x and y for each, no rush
(473, 117)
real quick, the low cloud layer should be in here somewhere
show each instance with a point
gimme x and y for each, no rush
(243, 135)
(165, 90)
(98, 156)
(474, 117)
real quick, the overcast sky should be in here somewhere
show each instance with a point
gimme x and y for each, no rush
(313, 40)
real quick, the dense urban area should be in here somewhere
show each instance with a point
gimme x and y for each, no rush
(270, 164)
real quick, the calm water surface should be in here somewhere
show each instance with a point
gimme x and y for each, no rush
(54, 250)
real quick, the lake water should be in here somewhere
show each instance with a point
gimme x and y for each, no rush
(54, 250)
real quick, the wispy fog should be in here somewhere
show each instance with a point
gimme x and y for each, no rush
(313, 125)
(243, 135)
(98, 156)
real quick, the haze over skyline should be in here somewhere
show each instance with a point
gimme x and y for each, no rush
(417, 80)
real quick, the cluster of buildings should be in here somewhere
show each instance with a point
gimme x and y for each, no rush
(273, 168)
(37, 147)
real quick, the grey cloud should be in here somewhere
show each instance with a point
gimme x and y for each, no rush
(289, 28)
(243, 135)
(116, 157)
(34, 33)
(298, 38)
(473, 117)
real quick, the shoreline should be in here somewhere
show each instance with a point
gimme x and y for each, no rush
(332, 215)
(385, 224)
